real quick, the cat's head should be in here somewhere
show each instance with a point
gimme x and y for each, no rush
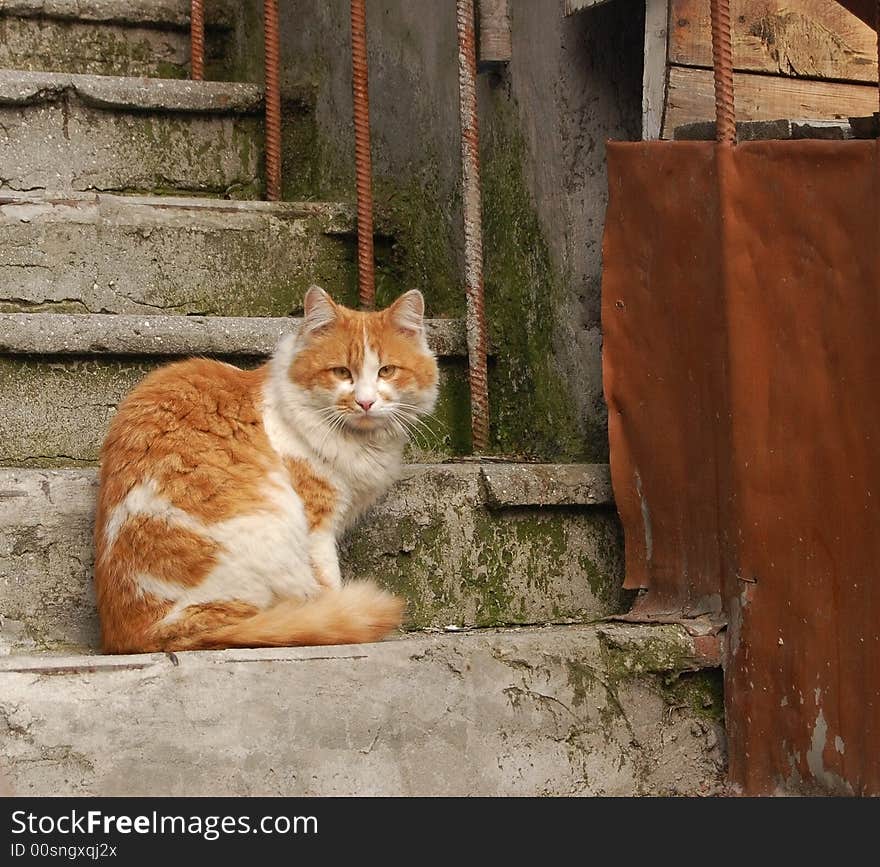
(364, 371)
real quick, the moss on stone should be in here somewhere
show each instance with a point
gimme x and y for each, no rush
(421, 255)
(531, 413)
(663, 654)
(473, 567)
(701, 692)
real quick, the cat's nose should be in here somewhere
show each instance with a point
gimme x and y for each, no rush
(365, 404)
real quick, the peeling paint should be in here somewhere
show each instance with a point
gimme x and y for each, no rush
(815, 756)
(646, 521)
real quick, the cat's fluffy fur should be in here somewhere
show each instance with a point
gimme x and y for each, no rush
(223, 491)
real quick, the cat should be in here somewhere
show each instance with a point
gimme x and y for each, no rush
(223, 491)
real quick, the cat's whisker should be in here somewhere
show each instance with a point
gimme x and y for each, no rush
(408, 429)
(423, 425)
(423, 416)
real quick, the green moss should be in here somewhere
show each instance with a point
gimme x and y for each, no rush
(582, 679)
(422, 253)
(165, 69)
(531, 413)
(664, 654)
(468, 566)
(701, 692)
(243, 48)
(451, 422)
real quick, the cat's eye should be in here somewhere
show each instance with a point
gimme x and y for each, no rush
(341, 372)
(387, 370)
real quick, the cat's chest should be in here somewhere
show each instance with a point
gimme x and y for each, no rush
(360, 482)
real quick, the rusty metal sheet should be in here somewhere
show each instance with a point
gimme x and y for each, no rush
(741, 307)
(663, 361)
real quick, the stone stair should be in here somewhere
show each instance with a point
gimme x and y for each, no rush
(109, 37)
(131, 233)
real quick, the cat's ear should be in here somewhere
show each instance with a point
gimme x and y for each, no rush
(408, 313)
(319, 310)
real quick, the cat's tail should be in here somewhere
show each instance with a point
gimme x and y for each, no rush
(358, 612)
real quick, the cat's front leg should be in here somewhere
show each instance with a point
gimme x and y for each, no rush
(325, 559)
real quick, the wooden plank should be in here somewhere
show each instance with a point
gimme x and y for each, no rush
(495, 38)
(691, 97)
(654, 71)
(799, 38)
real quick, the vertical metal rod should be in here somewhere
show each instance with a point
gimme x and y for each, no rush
(363, 160)
(197, 40)
(273, 100)
(722, 59)
(473, 231)
(877, 25)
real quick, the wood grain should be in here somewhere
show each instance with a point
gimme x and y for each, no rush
(798, 38)
(690, 97)
(654, 70)
(495, 43)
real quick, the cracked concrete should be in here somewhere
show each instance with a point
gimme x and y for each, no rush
(80, 132)
(120, 335)
(423, 715)
(128, 254)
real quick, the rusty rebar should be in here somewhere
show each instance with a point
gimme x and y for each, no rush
(722, 60)
(197, 40)
(473, 230)
(362, 159)
(273, 100)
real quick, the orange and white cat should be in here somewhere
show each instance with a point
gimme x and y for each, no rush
(224, 491)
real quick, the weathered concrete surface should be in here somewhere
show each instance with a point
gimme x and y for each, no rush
(44, 44)
(547, 484)
(529, 712)
(80, 132)
(46, 558)
(129, 254)
(432, 540)
(121, 335)
(103, 91)
(458, 562)
(54, 410)
(168, 13)
(640, 648)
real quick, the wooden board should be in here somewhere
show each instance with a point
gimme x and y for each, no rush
(800, 38)
(654, 70)
(691, 97)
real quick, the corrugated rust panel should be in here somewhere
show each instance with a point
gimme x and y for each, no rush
(742, 311)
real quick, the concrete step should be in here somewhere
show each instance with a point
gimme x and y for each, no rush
(63, 375)
(467, 544)
(68, 132)
(100, 253)
(555, 711)
(109, 37)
